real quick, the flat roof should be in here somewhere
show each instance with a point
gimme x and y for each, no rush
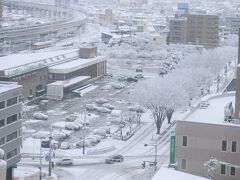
(75, 65)
(171, 174)
(7, 86)
(214, 113)
(70, 82)
(12, 61)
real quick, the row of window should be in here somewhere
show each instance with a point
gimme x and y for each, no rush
(10, 137)
(11, 154)
(10, 120)
(233, 145)
(10, 102)
(223, 168)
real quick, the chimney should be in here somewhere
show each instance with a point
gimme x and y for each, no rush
(237, 95)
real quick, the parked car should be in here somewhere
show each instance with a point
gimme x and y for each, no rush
(109, 106)
(101, 101)
(71, 118)
(40, 116)
(79, 144)
(114, 158)
(45, 143)
(73, 126)
(90, 107)
(139, 76)
(139, 70)
(118, 85)
(132, 79)
(65, 162)
(103, 110)
(65, 145)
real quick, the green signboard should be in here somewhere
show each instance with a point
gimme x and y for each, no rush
(172, 149)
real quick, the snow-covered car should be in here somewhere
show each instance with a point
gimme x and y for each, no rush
(122, 78)
(139, 70)
(107, 129)
(40, 116)
(107, 87)
(93, 140)
(132, 79)
(109, 106)
(103, 110)
(136, 108)
(139, 76)
(71, 118)
(82, 122)
(116, 113)
(90, 107)
(101, 101)
(72, 126)
(65, 162)
(100, 132)
(118, 85)
(80, 144)
(41, 135)
(65, 145)
(114, 158)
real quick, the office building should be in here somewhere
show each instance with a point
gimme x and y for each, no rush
(10, 124)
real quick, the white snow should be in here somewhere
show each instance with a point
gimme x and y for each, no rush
(170, 174)
(214, 113)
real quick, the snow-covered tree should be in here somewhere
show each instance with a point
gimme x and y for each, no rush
(159, 95)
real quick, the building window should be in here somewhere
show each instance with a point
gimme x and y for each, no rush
(11, 154)
(232, 171)
(2, 104)
(12, 119)
(184, 143)
(234, 146)
(2, 141)
(12, 101)
(12, 136)
(2, 123)
(224, 145)
(184, 164)
(223, 169)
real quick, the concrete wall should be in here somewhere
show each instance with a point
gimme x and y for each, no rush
(203, 142)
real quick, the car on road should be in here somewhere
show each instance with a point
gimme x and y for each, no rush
(65, 162)
(114, 158)
(139, 70)
(132, 79)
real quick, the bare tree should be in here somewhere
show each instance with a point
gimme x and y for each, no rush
(169, 114)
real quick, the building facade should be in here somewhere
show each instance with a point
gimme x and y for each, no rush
(199, 29)
(196, 143)
(10, 124)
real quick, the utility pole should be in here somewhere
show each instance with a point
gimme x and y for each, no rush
(40, 168)
(50, 152)
(84, 127)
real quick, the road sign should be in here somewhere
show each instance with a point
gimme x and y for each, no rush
(47, 157)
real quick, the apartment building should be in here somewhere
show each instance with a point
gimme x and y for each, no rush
(10, 124)
(199, 29)
(204, 134)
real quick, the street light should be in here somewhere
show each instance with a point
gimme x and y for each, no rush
(155, 159)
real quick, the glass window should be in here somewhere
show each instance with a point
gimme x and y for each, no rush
(2, 123)
(184, 163)
(11, 153)
(2, 141)
(12, 136)
(232, 171)
(224, 145)
(12, 101)
(184, 141)
(223, 169)
(234, 146)
(12, 119)
(2, 104)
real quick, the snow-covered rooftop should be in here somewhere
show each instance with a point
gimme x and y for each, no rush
(71, 82)
(170, 174)
(7, 62)
(214, 112)
(74, 65)
(6, 86)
